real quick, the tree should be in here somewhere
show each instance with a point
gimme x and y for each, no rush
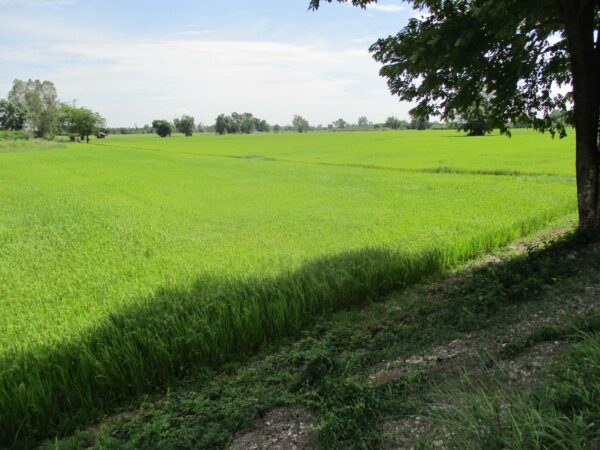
(516, 53)
(475, 121)
(240, 123)
(276, 128)
(418, 121)
(340, 123)
(394, 123)
(262, 126)
(79, 122)
(12, 116)
(247, 123)
(234, 123)
(221, 124)
(300, 124)
(162, 127)
(363, 122)
(39, 101)
(185, 125)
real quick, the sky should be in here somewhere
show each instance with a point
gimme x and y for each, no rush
(137, 60)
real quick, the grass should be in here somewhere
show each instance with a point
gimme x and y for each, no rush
(11, 142)
(126, 263)
(561, 413)
(527, 152)
(328, 370)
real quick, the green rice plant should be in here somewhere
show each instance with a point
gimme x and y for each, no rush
(443, 151)
(124, 265)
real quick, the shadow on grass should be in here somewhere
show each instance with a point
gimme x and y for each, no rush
(51, 391)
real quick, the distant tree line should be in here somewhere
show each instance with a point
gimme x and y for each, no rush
(32, 106)
(244, 123)
(186, 125)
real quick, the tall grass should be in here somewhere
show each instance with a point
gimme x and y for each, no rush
(562, 413)
(53, 389)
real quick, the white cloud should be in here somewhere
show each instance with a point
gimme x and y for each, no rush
(137, 80)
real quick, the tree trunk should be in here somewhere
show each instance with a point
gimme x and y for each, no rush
(585, 66)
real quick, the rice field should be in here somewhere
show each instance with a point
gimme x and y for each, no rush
(127, 261)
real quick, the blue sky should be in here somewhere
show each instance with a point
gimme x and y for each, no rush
(136, 60)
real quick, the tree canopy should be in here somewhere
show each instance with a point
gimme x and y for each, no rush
(162, 127)
(340, 123)
(529, 58)
(244, 123)
(185, 125)
(82, 122)
(394, 123)
(40, 102)
(12, 116)
(475, 120)
(300, 124)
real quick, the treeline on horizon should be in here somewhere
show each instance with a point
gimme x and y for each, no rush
(247, 123)
(32, 109)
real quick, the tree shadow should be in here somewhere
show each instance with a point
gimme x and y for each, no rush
(53, 390)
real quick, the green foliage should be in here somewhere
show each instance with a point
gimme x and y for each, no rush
(561, 413)
(162, 127)
(39, 101)
(340, 124)
(79, 122)
(221, 125)
(326, 368)
(395, 124)
(12, 116)
(185, 125)
(460, 52)
(475, 120)
(240, 123)
(15, 135)
(300, 124)
(418, 122)
(125, 295)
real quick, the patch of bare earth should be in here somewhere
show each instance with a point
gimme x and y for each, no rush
(290, 427)
(526, 368)
(397, 433)
(465, 357)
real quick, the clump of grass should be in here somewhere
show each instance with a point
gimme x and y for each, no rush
(563, 412)
(15, 135)
(17, 141)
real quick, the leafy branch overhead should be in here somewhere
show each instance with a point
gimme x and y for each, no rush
(463, 51)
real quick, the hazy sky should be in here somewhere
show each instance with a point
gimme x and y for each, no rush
(135, 61)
